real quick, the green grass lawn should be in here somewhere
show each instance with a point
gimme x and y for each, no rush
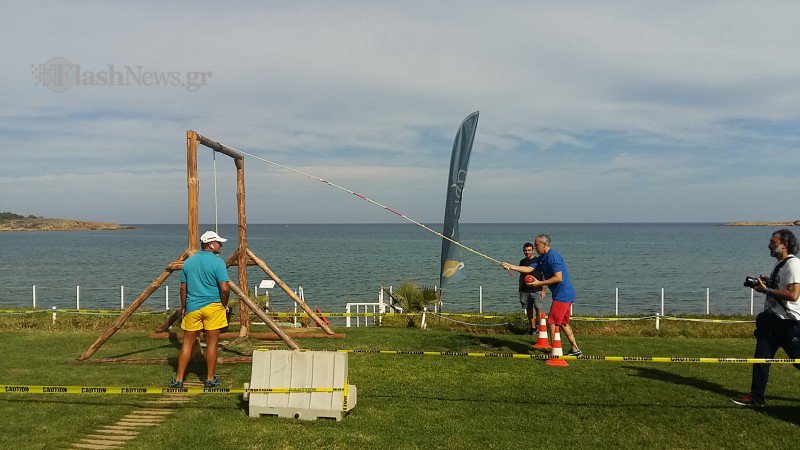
(419, 401)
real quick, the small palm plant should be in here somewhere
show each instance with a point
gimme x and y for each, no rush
(414, 298)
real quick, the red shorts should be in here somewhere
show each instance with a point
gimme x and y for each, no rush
(559, 313)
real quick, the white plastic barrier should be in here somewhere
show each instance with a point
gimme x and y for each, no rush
(301, 369)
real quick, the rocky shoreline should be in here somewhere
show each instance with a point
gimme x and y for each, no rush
(786, 223)
(48, 224)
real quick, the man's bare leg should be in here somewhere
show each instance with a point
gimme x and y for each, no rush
(212, 338)
(571, 337)
(185, 354)
(532, 318)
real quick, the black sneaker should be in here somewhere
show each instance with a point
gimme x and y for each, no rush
(574, 352)
(175, 383)
(212, 383)
(747, 400)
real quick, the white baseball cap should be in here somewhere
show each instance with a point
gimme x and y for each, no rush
(210, 236)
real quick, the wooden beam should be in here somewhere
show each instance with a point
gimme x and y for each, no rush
(263, 316)
(221, 148)
(131, 308)
(193, 186)
(250, 262)
(241, 215)
(289, 292)
(177, 314)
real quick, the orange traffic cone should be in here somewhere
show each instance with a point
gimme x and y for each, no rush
(557, 352)
(542, 343)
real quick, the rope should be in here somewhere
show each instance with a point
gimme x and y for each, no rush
(216, 220)
(367, 199)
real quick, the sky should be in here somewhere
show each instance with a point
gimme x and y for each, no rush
(590, 111)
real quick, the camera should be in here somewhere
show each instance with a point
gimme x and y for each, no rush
(752, 282)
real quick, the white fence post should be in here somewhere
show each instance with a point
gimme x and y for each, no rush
(616, 301)
(34, 296)
(347, 317)
(662, 304)
(657, 322)
(78, 298)
(381, 307)
(122, 297)
(295, 315)
(54, 314)
(708, 301)
(751, 300)
(166, 298)
(480, 299)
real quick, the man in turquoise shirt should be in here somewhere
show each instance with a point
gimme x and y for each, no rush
(204, 297)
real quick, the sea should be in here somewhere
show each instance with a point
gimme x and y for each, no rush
(615, 267)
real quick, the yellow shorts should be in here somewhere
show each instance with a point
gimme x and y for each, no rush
(209, 317)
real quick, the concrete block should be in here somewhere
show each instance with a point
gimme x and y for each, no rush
(299, 369)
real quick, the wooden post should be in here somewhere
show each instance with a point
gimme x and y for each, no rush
(193, 186)
(172, 318)
(289, 292)
(127, 313)
(234, 258)
(241, 257)
(263, 316)
(244, 313)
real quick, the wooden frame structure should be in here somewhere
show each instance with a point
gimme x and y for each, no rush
(241, 257)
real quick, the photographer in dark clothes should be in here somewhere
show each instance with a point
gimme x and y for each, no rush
(779, 325)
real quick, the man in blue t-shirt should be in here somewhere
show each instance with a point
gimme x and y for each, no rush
(556, 277)
(204, 297)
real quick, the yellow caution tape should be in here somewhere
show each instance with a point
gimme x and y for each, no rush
(655, 359)
(377, 314)
(30, 389)
(689, 319)
(611, 319)
(346, 393)
(74, 311)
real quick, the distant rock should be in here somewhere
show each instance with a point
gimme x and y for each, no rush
(15, 222)
(787, 223)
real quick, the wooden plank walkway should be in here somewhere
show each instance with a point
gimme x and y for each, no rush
(151, 413)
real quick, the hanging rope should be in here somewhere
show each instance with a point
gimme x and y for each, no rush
(300, 172)
(216, 209)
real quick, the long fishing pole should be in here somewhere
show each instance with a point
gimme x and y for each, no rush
(362, 197)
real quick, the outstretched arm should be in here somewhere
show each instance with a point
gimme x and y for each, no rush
(520, 269)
